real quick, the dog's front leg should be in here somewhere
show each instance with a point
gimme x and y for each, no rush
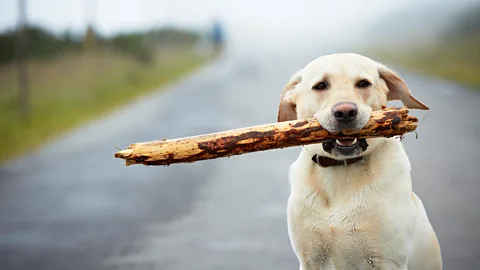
(311, 265)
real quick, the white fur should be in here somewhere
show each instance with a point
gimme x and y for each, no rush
(359, 216)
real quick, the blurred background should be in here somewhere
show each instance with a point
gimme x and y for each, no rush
(81, 78)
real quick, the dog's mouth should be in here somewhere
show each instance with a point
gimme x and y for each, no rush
(345, 148)
(346, 143)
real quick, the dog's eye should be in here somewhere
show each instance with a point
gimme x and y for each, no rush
(320, 86)
(363, 84)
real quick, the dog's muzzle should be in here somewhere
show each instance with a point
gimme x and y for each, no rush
(344, 115)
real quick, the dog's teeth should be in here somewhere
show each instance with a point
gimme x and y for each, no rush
(346, 143)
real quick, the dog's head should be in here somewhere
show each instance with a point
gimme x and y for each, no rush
(341, 90)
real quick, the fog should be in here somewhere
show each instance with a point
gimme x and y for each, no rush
(259, 24)
(70, 100)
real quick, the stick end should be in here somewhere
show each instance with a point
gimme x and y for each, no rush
(124, 153)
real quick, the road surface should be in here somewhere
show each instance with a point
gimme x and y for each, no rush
(71, 205)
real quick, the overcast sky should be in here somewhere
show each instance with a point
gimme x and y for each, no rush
(120, 15)
(301, 19)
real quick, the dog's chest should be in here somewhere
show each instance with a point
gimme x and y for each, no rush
(347, 237)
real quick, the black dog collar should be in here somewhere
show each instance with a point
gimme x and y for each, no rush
(328, 162)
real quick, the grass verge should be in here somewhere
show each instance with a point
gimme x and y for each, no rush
(77, 87)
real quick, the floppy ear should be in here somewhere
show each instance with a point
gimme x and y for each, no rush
(398, 89)
(287, 110)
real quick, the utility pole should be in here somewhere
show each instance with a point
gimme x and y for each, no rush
(21, 42)
(90, 36)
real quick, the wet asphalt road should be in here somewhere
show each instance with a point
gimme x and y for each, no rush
(71, 205)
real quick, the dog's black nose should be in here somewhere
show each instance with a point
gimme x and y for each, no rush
(345, 112)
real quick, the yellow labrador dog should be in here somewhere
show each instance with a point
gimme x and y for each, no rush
(351, 204)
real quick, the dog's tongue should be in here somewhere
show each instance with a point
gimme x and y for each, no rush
(346, 142)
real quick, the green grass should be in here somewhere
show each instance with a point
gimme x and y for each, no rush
(77, 87)
(458, 60)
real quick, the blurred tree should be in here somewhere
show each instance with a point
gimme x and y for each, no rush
(41, 43)
(7, 46)
(133, 44)
(167, 38)
(67, 37)
(44, 44)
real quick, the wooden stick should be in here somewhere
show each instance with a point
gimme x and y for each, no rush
(383, 123)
